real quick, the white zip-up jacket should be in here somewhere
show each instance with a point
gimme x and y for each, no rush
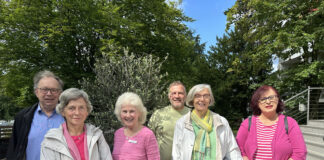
(54, 146)
(184, 139)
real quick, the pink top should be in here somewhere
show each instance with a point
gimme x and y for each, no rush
(264, 139)
(283, 146)
(73, 147)
(142, 146)
(79, 142)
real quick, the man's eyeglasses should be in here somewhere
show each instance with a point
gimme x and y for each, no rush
(272, 98)
(205, 96)
(52, 90)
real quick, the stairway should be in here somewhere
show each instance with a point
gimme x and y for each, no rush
(313, 134)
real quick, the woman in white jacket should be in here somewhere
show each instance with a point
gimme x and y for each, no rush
(202, 134)
(75, 140)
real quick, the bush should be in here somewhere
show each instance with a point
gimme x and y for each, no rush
(118, 74)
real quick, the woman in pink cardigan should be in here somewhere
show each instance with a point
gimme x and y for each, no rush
(133, 141)
(265, 137)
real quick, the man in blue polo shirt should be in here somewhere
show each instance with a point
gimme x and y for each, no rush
(31, 124)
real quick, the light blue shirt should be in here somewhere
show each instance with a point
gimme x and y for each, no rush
(39, 127)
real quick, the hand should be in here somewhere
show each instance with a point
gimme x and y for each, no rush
(245, 158)
(290, 159)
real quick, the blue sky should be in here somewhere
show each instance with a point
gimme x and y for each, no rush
(210, 20)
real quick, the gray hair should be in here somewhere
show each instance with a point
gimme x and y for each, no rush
(46, 73)
(72, 94)
(197, 88)
(177, 83)
(130, 98)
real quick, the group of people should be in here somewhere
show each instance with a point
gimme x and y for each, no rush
(55, 128)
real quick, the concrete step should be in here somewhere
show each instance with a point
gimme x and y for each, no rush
(315, 137)
(316, 123)
(311, 129)
(312, 155)
(315, 146)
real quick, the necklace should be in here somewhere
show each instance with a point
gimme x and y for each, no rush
(131, 134)
(78, 137)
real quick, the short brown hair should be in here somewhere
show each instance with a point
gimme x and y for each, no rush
(177, 83)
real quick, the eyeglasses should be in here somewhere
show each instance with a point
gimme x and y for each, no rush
(272, 98)
(52, 90)
(73, 108)
(205, 96)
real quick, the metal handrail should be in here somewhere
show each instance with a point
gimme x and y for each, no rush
(294, 112)
(308, 97)
(296, 95)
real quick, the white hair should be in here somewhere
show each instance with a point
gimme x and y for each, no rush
(130, 98)
(197, 88)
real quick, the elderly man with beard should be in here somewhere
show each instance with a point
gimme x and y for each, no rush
(163, 120)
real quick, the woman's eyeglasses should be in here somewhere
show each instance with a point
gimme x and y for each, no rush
(272, 98)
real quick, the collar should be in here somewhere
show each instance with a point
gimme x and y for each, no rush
(40, 111)
(185, 109)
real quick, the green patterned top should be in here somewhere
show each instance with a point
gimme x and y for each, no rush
(162, 123)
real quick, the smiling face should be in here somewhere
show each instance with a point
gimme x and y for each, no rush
(177, 96)
(201, 101)
(268, 102)
(75, 112)
(47, 99)
(129, 116)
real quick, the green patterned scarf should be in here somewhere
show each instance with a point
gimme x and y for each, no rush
(202, 142)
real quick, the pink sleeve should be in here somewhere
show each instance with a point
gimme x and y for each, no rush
(151, 146)
(297, 140)
(242, 136)
(116, 148)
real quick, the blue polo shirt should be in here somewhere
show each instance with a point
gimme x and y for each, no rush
(39, 127)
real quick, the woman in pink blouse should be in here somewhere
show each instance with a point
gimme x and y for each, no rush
(133, 141)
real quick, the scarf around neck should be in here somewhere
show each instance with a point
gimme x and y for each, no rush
(74, 151)
(202, 142)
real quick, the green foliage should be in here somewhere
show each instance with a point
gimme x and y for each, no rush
(158, 28)
(62, 36)
(6, 107)
(236, 67)
(298, 78)
(259, 31)
(67, 37)
(118, 74)
(281, 28)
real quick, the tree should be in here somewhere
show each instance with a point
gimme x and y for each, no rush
(116, 75)
(158, 28)
(67, 37)
(62, 36)
(236, 69)
(282, 29)
(257, 32)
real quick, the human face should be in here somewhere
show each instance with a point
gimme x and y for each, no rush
(129, 116)
(201, 101)
(177, 96)
(75, 112)
(48, 100)
(268, 102)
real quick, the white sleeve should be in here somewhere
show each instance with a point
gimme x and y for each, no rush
(176, 154)
(233, 151)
